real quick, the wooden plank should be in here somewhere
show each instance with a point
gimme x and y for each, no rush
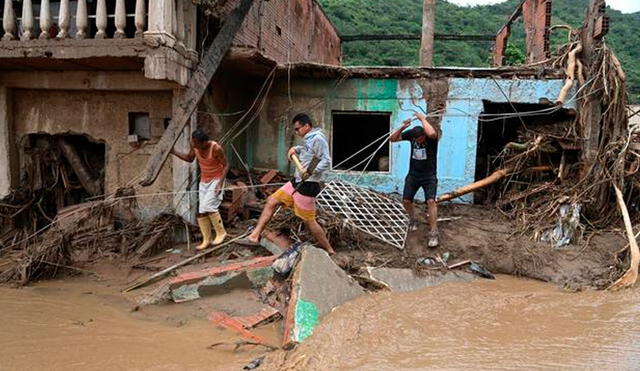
(195, 89)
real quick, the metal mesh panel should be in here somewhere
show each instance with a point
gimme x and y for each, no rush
(370, 212)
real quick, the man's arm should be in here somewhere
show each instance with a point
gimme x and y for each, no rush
(188, 157)
(396, 136)
(320, 149)
(218, 152)
(431, 132)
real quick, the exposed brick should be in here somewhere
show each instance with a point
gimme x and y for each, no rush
(290, 31)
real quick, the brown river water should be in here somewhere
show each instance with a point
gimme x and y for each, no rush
(508, 323)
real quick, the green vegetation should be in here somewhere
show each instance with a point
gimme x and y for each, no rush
(405, 16)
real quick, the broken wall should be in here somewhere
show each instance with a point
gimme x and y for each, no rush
(290, 31)
(460, 98)
(103, 116)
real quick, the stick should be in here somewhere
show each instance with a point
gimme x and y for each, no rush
(182, 263)
(459, 264)
(630, 277)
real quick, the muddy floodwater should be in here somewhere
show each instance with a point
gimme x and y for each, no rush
(504, 324)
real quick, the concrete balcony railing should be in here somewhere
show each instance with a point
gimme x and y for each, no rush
(64, 25)
(153, 31)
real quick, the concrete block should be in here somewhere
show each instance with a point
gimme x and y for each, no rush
(401, 279)
(317, 286)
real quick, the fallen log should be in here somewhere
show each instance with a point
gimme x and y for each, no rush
(494, 177)
(630, 277)
(497, 175)
(92, 186)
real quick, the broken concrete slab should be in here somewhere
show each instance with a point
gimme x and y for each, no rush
(404, 279)
(317, 286)
(250, 273)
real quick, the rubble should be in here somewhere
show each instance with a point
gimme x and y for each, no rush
(249, 273)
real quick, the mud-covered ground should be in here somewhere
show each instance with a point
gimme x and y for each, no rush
(488, 238)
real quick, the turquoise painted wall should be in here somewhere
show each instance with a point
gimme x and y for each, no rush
(457, 147)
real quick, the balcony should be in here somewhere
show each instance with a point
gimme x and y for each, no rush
(155, 35)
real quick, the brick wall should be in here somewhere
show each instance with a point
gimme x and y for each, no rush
(290, 30)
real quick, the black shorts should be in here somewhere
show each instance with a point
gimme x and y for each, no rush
(412, 184)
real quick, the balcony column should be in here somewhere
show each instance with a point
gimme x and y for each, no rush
(8, 21)
(121, 20)
(27, 20)
(63, 20)
(140, 18)
(82, 19)
(191, 17)
(179, 32)
(45, 19)
(101, 19)
(161, 13)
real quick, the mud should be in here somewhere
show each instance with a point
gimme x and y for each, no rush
(508, 323)
(85, 324)
(485, 236)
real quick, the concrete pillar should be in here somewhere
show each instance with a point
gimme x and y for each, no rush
(63, 19)
(428, 27)
(183, 172)
(6, 146)
(140, 18)
(8, 21)
(190, 22)
(27, 20)
(101, 19)
(82, 19)
(45, 19)
(161, 15)
(180, 30)
(121, 20)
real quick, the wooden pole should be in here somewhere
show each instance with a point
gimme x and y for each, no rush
(428, 27)
(195, 89)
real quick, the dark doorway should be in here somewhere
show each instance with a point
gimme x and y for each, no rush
(62, 170)
(354, 130)
(516, 123)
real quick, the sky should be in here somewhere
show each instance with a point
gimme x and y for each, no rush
(625, 6)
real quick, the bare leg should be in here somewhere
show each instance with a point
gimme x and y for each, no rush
(265, 216)
(408, 206)
(319, 234)
(432, 209)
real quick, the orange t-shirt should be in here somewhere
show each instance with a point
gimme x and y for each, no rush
(212, 164)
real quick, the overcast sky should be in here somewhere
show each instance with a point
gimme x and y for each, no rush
(625, 6)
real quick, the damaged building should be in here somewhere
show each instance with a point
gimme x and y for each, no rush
(95, 94)
(108, 87)
(89, 87)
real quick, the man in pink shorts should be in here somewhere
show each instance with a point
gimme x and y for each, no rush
(296, 194)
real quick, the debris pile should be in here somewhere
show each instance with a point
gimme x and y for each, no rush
(84, 233)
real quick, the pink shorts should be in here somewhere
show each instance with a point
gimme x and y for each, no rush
(303, 206)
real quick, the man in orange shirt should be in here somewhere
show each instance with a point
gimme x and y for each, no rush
(213, 170)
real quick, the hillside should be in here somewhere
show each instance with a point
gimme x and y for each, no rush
(405, 16)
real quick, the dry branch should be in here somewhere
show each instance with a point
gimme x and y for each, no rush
(630, 277)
